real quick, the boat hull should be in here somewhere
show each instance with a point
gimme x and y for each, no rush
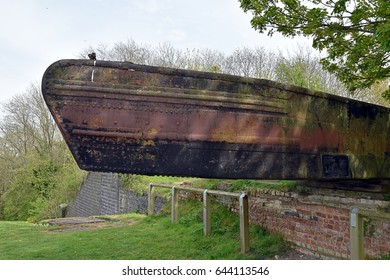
(129, 118)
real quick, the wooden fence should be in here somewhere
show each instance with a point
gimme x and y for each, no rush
(207, 196)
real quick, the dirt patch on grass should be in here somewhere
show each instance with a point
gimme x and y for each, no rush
(295, 255)
(85, 223)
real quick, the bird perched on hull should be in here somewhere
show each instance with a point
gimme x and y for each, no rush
(92, 56)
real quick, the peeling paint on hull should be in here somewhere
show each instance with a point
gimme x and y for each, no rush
(160, 121)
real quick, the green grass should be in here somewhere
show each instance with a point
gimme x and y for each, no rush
(139, 183)
(146, 238)
(281, 185)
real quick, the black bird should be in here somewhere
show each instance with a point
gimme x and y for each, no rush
(92, 56)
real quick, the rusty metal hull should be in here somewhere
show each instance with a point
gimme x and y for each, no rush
(124, 117)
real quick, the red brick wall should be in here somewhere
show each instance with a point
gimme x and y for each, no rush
(318, 223)
(316, 220)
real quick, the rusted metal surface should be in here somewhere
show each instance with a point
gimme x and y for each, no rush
(160, 121)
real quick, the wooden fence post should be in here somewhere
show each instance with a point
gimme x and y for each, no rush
(207, 195)
(206, 213)
(244, 223)
(151, 200)
(356, 235)
(174, 205)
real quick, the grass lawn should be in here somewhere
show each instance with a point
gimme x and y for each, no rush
(140, 237)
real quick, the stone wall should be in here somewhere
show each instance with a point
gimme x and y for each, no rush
(102, 194)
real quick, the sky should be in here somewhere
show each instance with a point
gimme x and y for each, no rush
(36, 33)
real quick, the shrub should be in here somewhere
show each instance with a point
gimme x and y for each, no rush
(39, 187)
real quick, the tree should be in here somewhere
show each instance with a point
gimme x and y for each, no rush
(27, 124)
(203, 60)
(301, 67)
(247, 62)
(37, 170)
(355, 33)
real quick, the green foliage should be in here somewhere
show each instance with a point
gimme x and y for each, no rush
(139, 183)
(355, 34)
(241, 185)
(368, 227)
(42, 177)
(298, 72)
(193, 213)
(141, 237)
(210, 184)
(39, 187)
(386, 256)
(37, 171)
(16, 202)
(136, 183)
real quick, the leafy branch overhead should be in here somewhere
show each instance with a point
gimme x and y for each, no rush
(355, 33)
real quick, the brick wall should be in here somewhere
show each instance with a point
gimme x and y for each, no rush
(317, 221)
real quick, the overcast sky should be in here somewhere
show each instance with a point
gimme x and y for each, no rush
(36, 33)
